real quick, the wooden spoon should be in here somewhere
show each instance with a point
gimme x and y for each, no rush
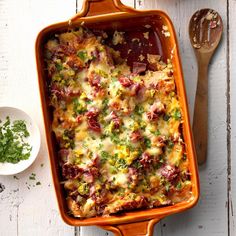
(205, 31)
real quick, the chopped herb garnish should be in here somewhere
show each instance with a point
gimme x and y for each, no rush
(170, 144)
(82, 55)
(177, 114)
(179, 185)
(105, 102)
(13, 146)
(137, 165)
(59, 66)
(121, 163)
(166, 117)
(147, 142)
(88, 101)
(68, 137)
(103, 136)
(78, 108)
(104, 155)
(139, 110)
(156, 132)
(100, 146)
(38, 183)
(115, 138)
(32, 176)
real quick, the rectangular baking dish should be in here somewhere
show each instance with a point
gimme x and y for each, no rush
(113, 15)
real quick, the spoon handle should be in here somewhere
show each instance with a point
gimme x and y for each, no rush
(200, 120)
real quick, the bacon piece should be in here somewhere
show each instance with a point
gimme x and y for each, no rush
(133, 175)
(115, 119)
(99, 198)
(125, 81)
(70, 171)
(140, 201)
(169, 172)
(94, 125)
(64, 93)
(95, 81)
(109, 57)
(134, 89)
(79, 119)
(88, 177)
(69, 92)
(92, 120)
(92, 113)
(63, 154)
(146, 160)
(74, 62)
(139, 67)
(165, 86)
(155, 111)
(115, 106)
(136, 136)
(66, 49)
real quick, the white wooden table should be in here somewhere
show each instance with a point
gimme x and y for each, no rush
(29, 209)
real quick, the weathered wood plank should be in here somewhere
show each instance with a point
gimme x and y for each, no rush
(31, 211)
(232, 121)
(8, 187)
(210, 216)
(95, 231)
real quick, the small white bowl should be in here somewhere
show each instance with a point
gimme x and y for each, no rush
(34, 140)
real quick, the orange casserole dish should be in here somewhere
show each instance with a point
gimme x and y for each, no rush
(112, 16)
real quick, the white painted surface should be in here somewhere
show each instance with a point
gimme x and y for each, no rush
(209, 217)
(232, 127)
(34, 211)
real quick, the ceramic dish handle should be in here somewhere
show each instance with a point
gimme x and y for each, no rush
(101, 7)
(143, 228)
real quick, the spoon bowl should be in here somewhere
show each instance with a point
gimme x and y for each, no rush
(205, 32)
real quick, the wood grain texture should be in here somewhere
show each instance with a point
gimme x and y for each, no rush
(232, 119)
(27, 208)
(34, 211)
(209, 217)
(95, 231)
(8, 191)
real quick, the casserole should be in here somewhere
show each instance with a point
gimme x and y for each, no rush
(114, 15)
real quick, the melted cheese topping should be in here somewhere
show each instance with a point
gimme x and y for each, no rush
(119, 133)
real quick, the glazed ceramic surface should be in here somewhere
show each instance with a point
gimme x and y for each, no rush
(112, 15)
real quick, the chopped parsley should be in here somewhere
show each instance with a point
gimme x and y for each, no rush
(104, 155)
(179, 185)
(32, 176)
(177, 114)
(170, 144)
(82, 55)
(105, 102)
(156, 132)
(121, 164)
(137, 165)
(78, 108)
(139, 110)
(147, 142)
(13, 144)
(166, 117)
(58, 66)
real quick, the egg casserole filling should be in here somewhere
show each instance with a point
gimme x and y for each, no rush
(118, 128)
